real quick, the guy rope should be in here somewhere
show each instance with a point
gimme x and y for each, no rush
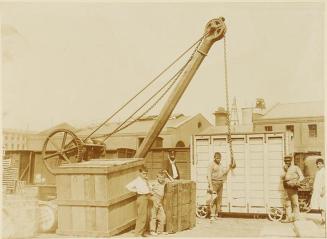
(63, 146)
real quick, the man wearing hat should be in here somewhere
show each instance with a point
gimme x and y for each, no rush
(170, 165)
(292, 177)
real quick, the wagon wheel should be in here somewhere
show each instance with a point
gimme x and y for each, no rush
(275, 214)
(304, 205)
(62, 146)
(202, 211)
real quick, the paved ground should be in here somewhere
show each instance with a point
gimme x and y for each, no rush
(244, 227)
(235, 227)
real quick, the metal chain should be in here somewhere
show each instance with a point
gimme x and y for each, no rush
(229, 136)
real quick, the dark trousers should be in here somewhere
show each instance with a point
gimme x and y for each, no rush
(142, 214)
(292, 203)
(157, 216)
(216, 206)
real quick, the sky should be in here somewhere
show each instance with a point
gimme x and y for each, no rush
(79, 62)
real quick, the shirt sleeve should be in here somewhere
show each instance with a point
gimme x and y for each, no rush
(132, 186)
(301, 177)
(209, 173)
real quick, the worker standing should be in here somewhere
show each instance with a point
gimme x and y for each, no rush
(216, 177)
(141, 186)
(318, 199)
(169, 165)
(292, 176)
(158, 215)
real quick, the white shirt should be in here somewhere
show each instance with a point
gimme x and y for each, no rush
(173, 167)
(139, 185)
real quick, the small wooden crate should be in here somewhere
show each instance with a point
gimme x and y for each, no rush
(179, 205)
(92, 198)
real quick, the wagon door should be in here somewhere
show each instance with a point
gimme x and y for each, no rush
(275, 155)
(237, 183)
(220, 145)
(257, 171)
(202, 153)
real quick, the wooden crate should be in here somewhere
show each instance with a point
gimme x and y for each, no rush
(92, 198)
(179, 205)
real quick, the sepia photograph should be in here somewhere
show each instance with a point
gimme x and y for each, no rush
(162, 119)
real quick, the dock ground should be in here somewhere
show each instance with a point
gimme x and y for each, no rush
(241, 227)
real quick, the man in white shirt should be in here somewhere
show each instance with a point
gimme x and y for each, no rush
(141, 186)
(169, 165)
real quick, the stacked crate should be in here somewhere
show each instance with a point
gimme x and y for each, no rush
(92, 198)
(179, 205)
(10, 174)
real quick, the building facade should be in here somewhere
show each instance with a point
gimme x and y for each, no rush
(13, 139)
(176, 133)
(305, 120)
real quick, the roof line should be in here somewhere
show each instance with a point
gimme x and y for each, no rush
(184, 121)
(274, 106)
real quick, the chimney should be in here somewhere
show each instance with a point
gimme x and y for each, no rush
(247, 114)
(220, 116)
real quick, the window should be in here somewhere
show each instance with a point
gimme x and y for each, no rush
(18, 146)
(180, 144)
(290, 128)
(158, 143)
(268, 128)
(312, 130)
(199, 125)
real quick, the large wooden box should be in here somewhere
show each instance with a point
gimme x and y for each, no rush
(179, 205)
(93, 199)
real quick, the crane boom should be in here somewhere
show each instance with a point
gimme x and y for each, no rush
(215, 30)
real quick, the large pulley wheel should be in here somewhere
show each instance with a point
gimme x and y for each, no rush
(62, 146)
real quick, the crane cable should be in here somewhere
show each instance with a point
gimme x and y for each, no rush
(145, 87)
(172, 81)
(229, 134)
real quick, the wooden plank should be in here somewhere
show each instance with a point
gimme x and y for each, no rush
(63, 187)
(185, 217)
(64, 218)
(101, 215)
(101, 188)
(105, 169)
(179, 206)
(77, 187)
(89, 184)
(78, 218)
(90, 219)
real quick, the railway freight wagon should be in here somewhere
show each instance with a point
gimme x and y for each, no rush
(255, 185)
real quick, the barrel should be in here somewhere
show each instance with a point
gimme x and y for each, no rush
(47, 216)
